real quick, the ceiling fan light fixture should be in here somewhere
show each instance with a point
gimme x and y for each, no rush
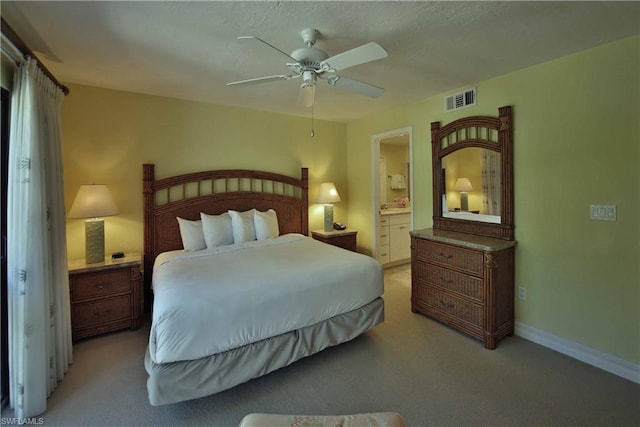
(307, 94)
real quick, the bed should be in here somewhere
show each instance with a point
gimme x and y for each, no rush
(226, 313)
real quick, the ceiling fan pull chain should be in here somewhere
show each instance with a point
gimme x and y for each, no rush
(312, 132)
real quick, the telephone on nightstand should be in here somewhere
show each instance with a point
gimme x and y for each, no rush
(339, 226)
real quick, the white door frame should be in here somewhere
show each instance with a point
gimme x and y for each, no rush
(375, 155)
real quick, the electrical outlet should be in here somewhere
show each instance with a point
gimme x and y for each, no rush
(522, 292)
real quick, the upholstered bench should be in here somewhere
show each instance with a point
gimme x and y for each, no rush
(377, 419)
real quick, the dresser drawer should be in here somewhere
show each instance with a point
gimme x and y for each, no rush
(464, 259)
(450, 305)
(102, 311)
(466, 285)
(97, 284)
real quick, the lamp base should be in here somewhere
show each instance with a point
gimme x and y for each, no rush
(328, 217)
(464, 201)
(94, 240)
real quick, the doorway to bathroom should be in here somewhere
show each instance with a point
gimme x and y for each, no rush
(392, 195)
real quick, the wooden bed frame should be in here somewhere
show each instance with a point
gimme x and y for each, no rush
(215, 192)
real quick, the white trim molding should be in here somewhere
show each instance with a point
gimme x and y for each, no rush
(599, 359)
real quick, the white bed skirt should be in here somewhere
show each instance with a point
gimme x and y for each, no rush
(192, 379)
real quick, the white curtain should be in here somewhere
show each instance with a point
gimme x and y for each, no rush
(491, 187)
(40, 347)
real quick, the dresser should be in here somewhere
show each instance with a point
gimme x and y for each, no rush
(464, 281)
(105, 296)
(345, 239)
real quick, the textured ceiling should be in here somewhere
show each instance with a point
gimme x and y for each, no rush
(189, 49)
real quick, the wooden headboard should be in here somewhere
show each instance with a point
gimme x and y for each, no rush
(215, 192)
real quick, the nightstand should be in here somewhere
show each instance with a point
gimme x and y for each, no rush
(342, 238)
(105, 296)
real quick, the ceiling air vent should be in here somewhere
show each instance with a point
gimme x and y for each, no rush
(460, 100)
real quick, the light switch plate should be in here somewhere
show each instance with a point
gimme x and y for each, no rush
(603, 212)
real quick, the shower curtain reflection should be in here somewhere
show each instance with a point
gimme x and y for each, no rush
(491, 198)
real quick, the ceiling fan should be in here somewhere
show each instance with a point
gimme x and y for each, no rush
(311, 63)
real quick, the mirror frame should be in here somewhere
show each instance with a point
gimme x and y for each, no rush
(469, 132)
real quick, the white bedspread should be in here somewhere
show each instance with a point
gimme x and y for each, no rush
(215, 300)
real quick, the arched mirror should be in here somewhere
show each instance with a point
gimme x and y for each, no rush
(473, 175)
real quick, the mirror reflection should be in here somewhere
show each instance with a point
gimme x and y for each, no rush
(472, 187)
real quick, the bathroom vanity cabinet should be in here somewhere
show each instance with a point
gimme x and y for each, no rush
(394, 241)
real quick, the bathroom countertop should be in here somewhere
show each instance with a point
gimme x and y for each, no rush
(395, 211)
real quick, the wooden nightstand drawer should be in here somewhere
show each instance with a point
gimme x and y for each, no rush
(105, 296)
(102, 311)
(93, 285)
(345, 239)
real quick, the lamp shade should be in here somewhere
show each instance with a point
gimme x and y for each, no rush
(93, 201)
(328, 193)
(463, 184)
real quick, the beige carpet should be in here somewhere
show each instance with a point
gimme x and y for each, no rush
(410, 364)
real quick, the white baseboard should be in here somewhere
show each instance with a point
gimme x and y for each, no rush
(607, 362)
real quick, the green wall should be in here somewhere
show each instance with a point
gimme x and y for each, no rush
(576, 143)
(108, 135)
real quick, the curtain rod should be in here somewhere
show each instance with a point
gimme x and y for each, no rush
(24, 49)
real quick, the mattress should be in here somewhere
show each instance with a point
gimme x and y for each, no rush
(212, 301)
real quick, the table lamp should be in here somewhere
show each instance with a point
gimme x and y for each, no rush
(327, 196)
(463, 185)
(93, 202)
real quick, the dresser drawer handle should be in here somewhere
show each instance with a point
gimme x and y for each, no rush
(447, 304)
(446, 256)
(447, 281)
(383, 235)
(100, 286)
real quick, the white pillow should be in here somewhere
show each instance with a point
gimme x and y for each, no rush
(243, 227)
(191, 233)
(217, 229)
(266, 224)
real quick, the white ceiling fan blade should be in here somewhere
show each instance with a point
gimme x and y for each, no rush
(356, 86)
(307, 95)
(268, 44)
(259, 80)
(356, 56)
